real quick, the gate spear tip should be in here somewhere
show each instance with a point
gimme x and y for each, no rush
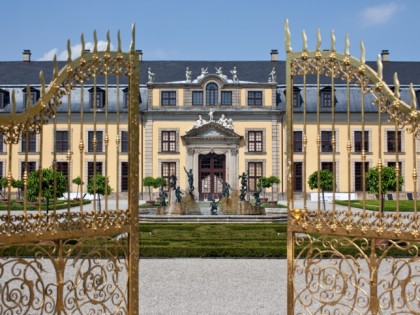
(108, 42)
(380, 67)
(305, 41)
(119, 42)
(68, 51)
(347, 49)
(332, 41)
(318, 39)
(82, 39)
(362, 55)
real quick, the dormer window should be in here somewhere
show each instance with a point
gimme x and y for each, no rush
(197, 98)
(418, 99)
(212, 94)
(126, 98)
(97, 99)
(34, 95)
(326, 97)
(4, 98)
(297, 99)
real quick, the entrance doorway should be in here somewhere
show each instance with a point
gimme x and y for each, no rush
(212, 170)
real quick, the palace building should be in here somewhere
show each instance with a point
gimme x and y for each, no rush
(218, 118)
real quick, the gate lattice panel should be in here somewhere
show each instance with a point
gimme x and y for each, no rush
(348, 261)
(77, 260)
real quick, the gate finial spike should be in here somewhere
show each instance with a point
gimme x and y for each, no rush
(380, 67)
(318, 40)
(347, 48)
(41, 78)
(108, 42)
(396, 86)
(332, 41)
(68, 51)
(82, 39)
(119, 42)
(305, 41)
(362, 50)
(413, 97)
(287, 43)
(133, 37)
(95, 41)
(55, 71)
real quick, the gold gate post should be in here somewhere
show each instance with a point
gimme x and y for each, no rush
(289, 171)
(133, 179)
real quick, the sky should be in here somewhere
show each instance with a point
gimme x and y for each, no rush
(209, 30)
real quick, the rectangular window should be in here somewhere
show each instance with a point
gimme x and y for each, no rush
(297, 141)
(168, 98)
(168, 141)
(124, 141)
(91, 169)
(358, 175)
(326, 144)
(255, 171)
(98, 99)
(1, 170)
(226, 98)
(63, 168)
(98, 141)
(392, 145)
(327, 166)
(254, 98)
(197, 98)
(1, 143)
(296, 99)
(168, 169)
(126, 99)
(124, 176)
(31, 142)
(358, 141)
(34, 95)
(255, 141)
(394, 164)
(326, 99)
(31, 168)
(297, 176)
(4, 98)
(61, 141)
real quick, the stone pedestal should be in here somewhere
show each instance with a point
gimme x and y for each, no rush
(189, 205)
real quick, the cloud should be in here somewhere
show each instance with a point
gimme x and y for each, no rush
(75, 51)
(381, 14)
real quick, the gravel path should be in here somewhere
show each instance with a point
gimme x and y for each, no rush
(213, 286)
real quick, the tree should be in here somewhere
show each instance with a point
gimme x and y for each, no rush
(160, 182)
(101, 183)
(326, 181)
(268, 182)
(78, 181)
(18, 183)
(149, 182)
(388, 181)
(47, 185)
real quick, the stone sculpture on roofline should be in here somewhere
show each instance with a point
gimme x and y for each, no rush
(223, 121)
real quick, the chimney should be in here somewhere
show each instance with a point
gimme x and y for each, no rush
(27, 55)
(385, 55)
(274, 55)
(140, 52)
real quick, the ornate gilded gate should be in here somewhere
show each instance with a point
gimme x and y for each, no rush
(78, 260)
(352, 261)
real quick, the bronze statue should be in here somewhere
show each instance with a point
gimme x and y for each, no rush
(257, 197)
(190, 179)
(172, 182)
(213, 207)
(178, 194)
(162, 196)
(244, 186)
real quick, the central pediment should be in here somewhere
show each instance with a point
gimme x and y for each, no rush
(211, 131)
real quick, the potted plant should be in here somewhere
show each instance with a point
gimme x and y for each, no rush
(101, 187)
(267, 182)
(149, 182)
(78, 181)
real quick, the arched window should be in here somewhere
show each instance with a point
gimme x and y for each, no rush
(211, 94)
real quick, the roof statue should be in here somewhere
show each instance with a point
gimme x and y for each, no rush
(272, 76)
(234, 74)
(204, 72)
(223, 121)
(151, 75)
(220, 73)
(188, 75)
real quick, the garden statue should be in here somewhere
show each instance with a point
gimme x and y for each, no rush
(178, 194)
(188, 75)
(226, 188)
(257, 197)
(244, 185)
(190, 179)
(172, 182)
(162, 196)
(213, 207)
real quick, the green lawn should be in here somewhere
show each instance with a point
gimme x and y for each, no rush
(61, 204)
(390, 205)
